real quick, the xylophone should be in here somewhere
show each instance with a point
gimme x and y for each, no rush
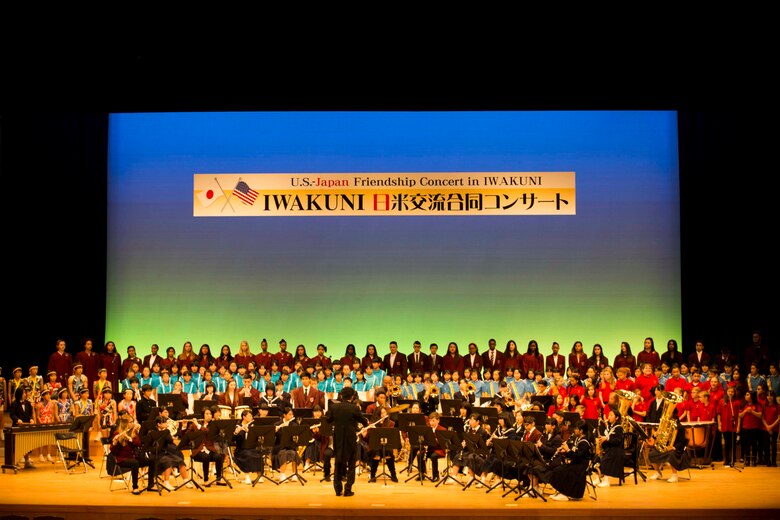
(20, 440)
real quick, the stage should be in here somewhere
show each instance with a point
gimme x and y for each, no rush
(711, 493)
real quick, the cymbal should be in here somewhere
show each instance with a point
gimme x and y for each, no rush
(399, 408)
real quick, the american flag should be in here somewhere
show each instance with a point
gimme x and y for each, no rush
(245, 193)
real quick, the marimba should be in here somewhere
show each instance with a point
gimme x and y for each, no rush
(20, 440)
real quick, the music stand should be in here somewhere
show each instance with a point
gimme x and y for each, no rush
(383, 439)
(172, 402)
(405, 420)
(201, 404)
(222, 431)
(489, 416)
(528, 455)
(295, 436)
(448, 440)
(539, 418)
(153, 445)
(420, 437)
(266, 421)
(190, 440)
(450, 407)
(453, 423)
(311, 422)
(500, 450)
(303, 413)
(514, 450)
(82, 425)
(545, 400)
(262, 437)
(248, 401)
(571, 417)
(475, 444)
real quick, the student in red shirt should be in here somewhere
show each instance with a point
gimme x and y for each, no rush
(624, 381)
(728, 418)
(676, 381)
(749, 427)
(646, 382)
(772, 425)
(592, 403)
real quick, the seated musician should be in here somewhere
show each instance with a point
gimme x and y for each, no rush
(124, 444)
(612, 458)
(435, 451)
(319, 450)
(248, 460)
(380, 419)
(21, 411)
(676, 455)
(164, 455)
(568, 478)
(548, 446)
(285, 457)
(380, 397)
(493, 465)
(206, 451)
(472, 459)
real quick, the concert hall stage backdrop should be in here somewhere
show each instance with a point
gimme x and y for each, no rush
(367, 227)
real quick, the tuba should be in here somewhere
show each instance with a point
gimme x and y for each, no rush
(667, 426)
(395, 391)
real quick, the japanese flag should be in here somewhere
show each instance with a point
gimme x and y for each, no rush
(209, 192)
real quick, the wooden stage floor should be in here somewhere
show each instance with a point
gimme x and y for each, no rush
(711, 493)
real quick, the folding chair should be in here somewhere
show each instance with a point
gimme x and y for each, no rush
(115, 470)
(69, 455)
(105, 442)
(631, 459)
(590, 487)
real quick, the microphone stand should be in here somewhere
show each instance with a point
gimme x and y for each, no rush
(734, 438)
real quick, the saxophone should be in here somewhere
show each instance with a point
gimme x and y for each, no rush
(667, 426)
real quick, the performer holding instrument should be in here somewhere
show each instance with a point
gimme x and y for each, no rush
(248, 460)
(124, 444)
(568, 477)
(612, 452)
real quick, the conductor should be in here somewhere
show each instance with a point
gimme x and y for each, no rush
(345, 415)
